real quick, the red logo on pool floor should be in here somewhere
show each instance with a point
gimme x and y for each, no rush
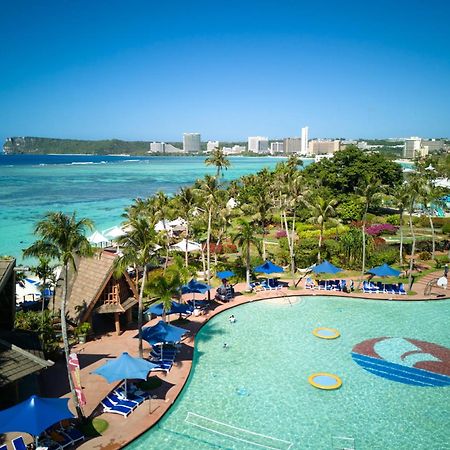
(405, 360)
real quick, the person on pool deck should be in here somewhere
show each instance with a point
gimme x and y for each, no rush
(446, 271)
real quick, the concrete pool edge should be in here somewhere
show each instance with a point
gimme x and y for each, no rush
(243, 299)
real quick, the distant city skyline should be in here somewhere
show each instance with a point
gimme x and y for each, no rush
(140, 71)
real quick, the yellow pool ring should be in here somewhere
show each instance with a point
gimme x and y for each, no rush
(326, 333)
(323, 380)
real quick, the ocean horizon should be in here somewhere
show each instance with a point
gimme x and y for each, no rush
(95, 186)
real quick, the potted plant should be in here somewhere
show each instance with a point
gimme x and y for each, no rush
(82, 331)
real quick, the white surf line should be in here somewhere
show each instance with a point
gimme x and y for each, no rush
(280, 443)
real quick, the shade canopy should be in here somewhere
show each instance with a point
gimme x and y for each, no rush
(195, 287)
(125, 367)
(175, 308)
(268, 267)
(326, 267)
(384, 271)
(97, 238)
(162, 333)
(191, 246)
(225, 274)
(114, 232)
(34, 415)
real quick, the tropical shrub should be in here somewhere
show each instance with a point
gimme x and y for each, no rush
(378, 229)
(389, 256)
(350, 209)
(424, 256)
(393, 219)
(446, 228)
(440, 261)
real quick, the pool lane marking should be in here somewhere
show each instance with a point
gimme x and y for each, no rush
(276, 440)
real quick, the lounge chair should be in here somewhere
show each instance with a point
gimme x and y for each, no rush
(401, 289)
(343, 285)
(380, 286)
(74, 433)
(19, 444)
(62, 439)
(367, 289)
(109, 407)
(3, 447)
(322, 285)
(169, 355)
(132, 394)
(161, 365)
(116, 400)
(389, 289)
(49, 444)
(309, 283)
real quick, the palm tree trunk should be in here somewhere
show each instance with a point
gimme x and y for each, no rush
(320, 244)
(363, 268)
(66, 342)
(413, 249)
(186, 261)
(208, 250)
(433, 237)
(141, 310)
(401, 238)
(203, 262)
(247, 264)
(292, 251)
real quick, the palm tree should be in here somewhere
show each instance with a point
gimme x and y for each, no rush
(186, 202)
(137, 250)
(368, 189)
(165, 286)
(401, 197)
(162, 211)
(431, 196)
(245, 238)
(219, 160)
(208, 194)
(321, 209)
(62, 238)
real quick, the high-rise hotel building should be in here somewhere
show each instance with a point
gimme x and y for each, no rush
(191, 142)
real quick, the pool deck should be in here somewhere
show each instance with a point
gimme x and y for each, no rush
(122, 430)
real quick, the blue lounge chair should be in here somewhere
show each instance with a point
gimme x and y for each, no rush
(58, 438)
(389, 289)
(161, 365)
(343, 285)
(121, 401)
(401, 289)
(49, 444)
(3, 447)
(74, 433)
(309, 284)
(133, 394)
(366, 288)
(19, 444)
(380, 286)
(322, 285)
(109, 407)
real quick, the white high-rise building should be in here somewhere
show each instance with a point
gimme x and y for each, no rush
(211, 145)
(258, 144)
(412, 147)
(305, 132)
(157, 147)
(276, 147)
(191, 142)
(292, 145)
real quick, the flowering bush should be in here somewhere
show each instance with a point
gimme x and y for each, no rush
(280, 234)
(381, 228)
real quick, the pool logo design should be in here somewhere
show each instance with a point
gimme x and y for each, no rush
(405, 360)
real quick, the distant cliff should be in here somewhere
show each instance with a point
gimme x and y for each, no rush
(39, 145)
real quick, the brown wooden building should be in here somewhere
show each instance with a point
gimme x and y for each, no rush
(97, 296)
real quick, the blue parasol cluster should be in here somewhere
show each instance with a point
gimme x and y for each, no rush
(162, 333)
(268, 267)
(326, 267)
(384, 271)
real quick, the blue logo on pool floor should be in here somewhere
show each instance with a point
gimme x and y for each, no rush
(407, 361)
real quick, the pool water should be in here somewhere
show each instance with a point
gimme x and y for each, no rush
(255, 392)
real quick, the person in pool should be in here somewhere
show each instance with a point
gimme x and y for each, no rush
(232, 319)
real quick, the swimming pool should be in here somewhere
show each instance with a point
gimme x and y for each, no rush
(255, 392)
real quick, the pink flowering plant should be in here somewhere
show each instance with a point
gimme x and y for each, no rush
(280, 234)
(378, 229)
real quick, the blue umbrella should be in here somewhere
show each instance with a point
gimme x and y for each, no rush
(34, 415)
(125, 367)
(384, 271)
(326, 267)
(268, 267)
(194, 287)
(225, 274)
(175, 308)
(162, 333)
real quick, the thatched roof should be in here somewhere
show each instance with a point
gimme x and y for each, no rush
(87, 283)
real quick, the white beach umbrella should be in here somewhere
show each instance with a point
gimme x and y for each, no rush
(97, 238)
(114, 233)
(27, 290)
(163, 225)
(191, 246)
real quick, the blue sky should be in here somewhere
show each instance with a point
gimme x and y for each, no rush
(228, 69)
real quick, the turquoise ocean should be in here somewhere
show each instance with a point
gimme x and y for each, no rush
(98, 187)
